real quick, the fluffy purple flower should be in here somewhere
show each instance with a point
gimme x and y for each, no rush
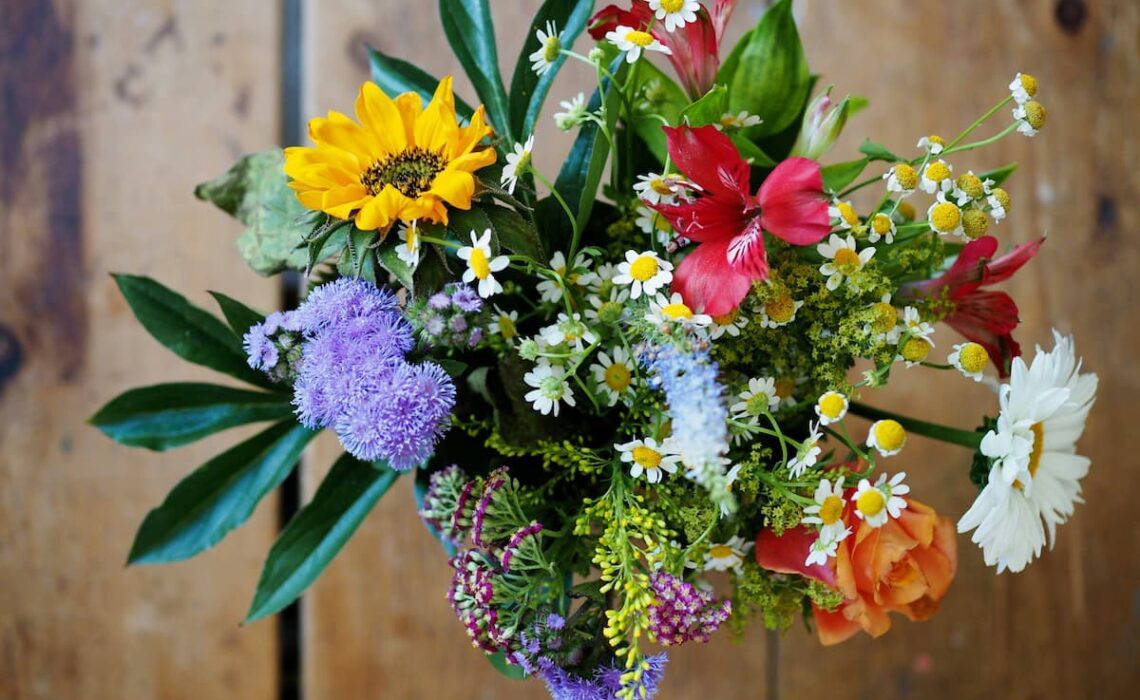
(467, 299)
(345, 298)
(682, 613)
(458, 324)
(260, 350)
(439, 301)
(564, 685)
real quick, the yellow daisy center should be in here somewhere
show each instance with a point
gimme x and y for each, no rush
(870, 503)
(507, 327)
(785, 387)
(973, 357)
(975, 223)
(1038, 448)
(728, 120)
(889, 435)
(677, 311)
(610, 312)
(847, 213)
(915, 350)
(618, 378)
(831, 404)
(881, 224)
(936, 140)
(1002, 198)
(847, 259)
(661, 187)
(906, 176)
(676, 5)
(971, 184)
(937, 172)
(757, 404)
(906, 210)
(1029, 84)
(479, 264)
(410, 171)
(831, 510)
(885, 317)
(945, 216)
(551, 48)
(782, 309)
(721, 551)
(639, 38)
(1035, 114)
(725, 319)
(643, 269)
(647, 457)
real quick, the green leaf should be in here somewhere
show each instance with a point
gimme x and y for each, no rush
(318, 532)
(240, 317)
(454, 368)
(396, 76)
(769, 75)
(388, 256)
(187, 330)
(432, 272)
(163, 416)
(750, 152)
(499, 662)
(877, 151)
(328, 241)
(515, 232)
(462, 223)
(528, 89)
(839, 175)
(255, 191)
(219, 496)
(707, 110)
(665, 97)
(469, 30)
(999, 175)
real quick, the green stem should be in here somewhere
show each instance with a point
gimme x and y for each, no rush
(958, 139)
(984, 142)
(955, 436)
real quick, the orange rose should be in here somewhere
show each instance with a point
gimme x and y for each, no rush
(904, 566)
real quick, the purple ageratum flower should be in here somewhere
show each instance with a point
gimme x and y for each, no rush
(439, 301)
(682, 613)
(345, 298)
(466, 298)
(564, 685)
(458, 324)
(260, 350)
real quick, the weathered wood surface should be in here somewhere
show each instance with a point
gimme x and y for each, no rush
(111, 113)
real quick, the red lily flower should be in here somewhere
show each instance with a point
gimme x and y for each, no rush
(695, 47)
(727, 221)
(984, 316)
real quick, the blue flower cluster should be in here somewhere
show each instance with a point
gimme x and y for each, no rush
(604, 685)
(353, 376)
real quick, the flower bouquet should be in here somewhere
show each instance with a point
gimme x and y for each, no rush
(610, 382)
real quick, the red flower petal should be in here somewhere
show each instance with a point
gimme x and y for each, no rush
(611, 17)
(707, 218)
(708, 283)
(708, 158)
(792, 205)
(746, 251)
(786, 554)
(987, 318)
(1001, 269)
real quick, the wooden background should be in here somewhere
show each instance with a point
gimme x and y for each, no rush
(113, 109)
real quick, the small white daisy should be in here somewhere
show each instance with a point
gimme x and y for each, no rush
(648, 457)
(937, 177)
(970, 359)
(881, 226)
(518, 161)
(650, 222)
(676, 13)
(569, 330)
(786, 388)
(807, 455)
(644, 272)
(969, 187)
(551, 388)
(741, 120)
(578, 275)
(831, 407)
(549, 49)
(730, 479)
(1000, 203)
(823, 549)
(660, 189)
(481, 265)
(614, 374)
(729, 324)
(884, 324)
(933, 143)
(603, 278)
(409, 252)
(727, 556)
(1023, 88)
(504, 323)
(663, 311)
(607, 310)
(634, 41)
(574, 112)
(901, 178)
(828, 511)
(875, 504)
(759, 398)
(778, 311)
(887, 436)
(945, 217)
(913, 324)
(843, 215)
(1030, 117)
(844, 259)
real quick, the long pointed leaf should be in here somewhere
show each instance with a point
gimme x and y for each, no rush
(318, 532)
(469, 30)
(219, 496)
(240, 317)
(396, 76)
(163, 416)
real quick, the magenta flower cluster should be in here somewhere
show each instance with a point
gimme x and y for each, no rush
(683, 613)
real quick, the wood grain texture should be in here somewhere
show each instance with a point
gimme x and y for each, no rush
(112, 112)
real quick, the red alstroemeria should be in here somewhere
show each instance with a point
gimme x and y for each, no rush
(984, 316)
(727, 221)
(695, 47)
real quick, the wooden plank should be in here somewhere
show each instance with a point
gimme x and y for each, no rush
(1066, 626)
(112, 112)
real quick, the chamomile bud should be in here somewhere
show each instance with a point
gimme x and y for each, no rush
(1030, 117)
(975, 223)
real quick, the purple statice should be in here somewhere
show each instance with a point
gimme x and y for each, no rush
(342, 299)
(604, 684)
(682, 613)
(447, 504)
(519, 538)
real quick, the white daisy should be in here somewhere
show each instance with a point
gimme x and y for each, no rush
(574, 114)
(945, 217)
(759, 398)
(807, 455)
(578, 274)
(634, 41)
(551, 388)
(569, 330)
(875, 504)
(778, 311)
(901, 178)
(660, 189)
(649, 458)
(823, 549)
(481, 266)
(1030, 117)
(504, 323)
(969, 359)
(828, 511)
(913, 324)
(409, 252)
(887, 436)
(650, 222)
(742, 120)
(845, 259)
(937, 177)
(843, 215)
(645, 273)
(676, 13)
(1008, 524)
(727, 556)
(549, 49)
(884, 324)
(786, 389)
(1023, 88)
(969, 187)
(518, 161)
(664, 311)
(603, 277)
(933, 143)
(730, 479)
(729, 324)
(1000, 203)
(831, 407)
(614, 374)
(607, 310)
(881, 226)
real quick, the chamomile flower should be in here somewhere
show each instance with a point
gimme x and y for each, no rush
(968, 187)
(573, 114)
(1023, 88)
(569, 330)
(634, 41)
(660, 189)
(550, 48)
(876, 504)
(933, 144)
(1000, 203)
(845, 259)
(644, 272)
(887, 436)
(730, 479)
(881, 227)
(759, 398)
(1030, 117)
(741, 120)
(729, 324)
(409, 252)
(664, 311)
(651, 222)
(884, 323)
(551, 388)
(727, 556)
(913, 324)
(481, 265)
(648, 457)
(969, 359)
(913, 350)
(901, 178)
(778, 311)
(937, 177)
(504, 323)
(808, 454)
(577, 275)
(675, 13)
(945, 217)
(603, 279)
(831, 407)
(843, 214)
(607, 310)
(614, 374)
(786, 388)
(518, 161)
(823, 549)
(828, 511)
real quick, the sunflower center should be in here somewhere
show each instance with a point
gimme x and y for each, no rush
(411, 171)
(479, 264)
(676, 5)
(870, 503)
(618, 378)
(782, 309)
(846, 259)
(647, 457)
(643, 269)
(831, 510)
(639, 38)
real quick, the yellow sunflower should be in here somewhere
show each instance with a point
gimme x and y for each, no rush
(403, 161)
